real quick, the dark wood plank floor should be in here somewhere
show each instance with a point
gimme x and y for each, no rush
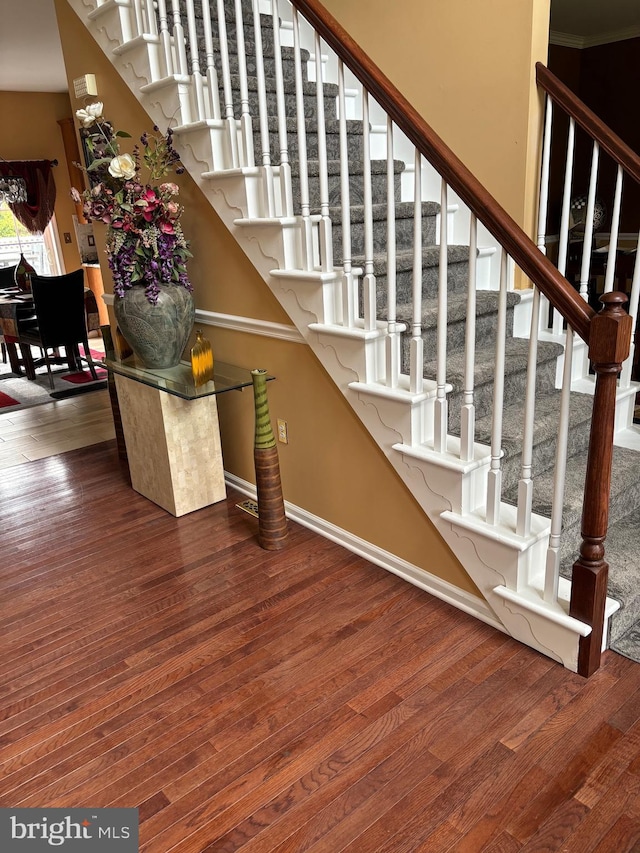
(301, 700)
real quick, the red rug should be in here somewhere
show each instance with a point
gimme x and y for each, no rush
(85, 375)
(6, 400)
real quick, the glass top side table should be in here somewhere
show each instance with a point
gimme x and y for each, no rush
(193, 416)
(179, 380)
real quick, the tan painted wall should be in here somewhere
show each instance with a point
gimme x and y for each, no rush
(467, 68)
(30, 131)
(331, 467)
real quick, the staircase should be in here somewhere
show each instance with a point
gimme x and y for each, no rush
(380, 314)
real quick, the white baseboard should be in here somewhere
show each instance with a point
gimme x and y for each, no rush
(432, 584)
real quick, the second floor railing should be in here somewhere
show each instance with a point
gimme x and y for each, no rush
(586, 170)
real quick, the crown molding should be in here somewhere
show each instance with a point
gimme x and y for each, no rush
(583, 42)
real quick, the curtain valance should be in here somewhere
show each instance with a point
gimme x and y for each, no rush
(36, 212)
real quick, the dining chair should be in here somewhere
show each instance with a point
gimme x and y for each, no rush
(7, 279)
(60, 320)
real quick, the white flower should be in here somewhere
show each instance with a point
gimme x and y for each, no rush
(122, 166)
(90, 114)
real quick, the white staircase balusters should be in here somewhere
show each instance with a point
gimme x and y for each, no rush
(246, 123)
(349, 284)
(543, 205)
(303, 165)
(563, 242)
(417, 344)
(212, 108)
(494, 477)
(393, 337)
(585, 264)
(165, 37)
(552, 569)
(229, 117)
(613, 234)
(325, 238)
(627, 163)
(144, 23)
(582, 354)
(467, 412)
(265, 146)
(525, 485)
(441, 404)
(126, 23)
(286, 194)
(196, 75)
(181, 66)
(370, 309)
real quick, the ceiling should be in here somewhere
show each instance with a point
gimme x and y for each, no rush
(30, 53)
(31, 58)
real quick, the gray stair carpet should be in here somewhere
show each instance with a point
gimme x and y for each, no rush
(624, 531)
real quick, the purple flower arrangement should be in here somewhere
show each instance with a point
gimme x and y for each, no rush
(145, 244)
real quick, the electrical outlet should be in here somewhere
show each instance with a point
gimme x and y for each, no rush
(283, 435)
(67, 237)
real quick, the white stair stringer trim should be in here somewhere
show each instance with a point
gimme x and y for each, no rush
(441, 489)
(494, 557)
(445, 591)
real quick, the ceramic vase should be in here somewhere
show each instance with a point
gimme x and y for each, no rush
(272, 522)
(201, 360)
(158, 333)
(23, 274)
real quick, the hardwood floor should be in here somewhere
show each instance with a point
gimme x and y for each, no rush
(300, 700)
(52, 428)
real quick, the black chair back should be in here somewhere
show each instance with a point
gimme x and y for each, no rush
(59, 306)
(8, 276)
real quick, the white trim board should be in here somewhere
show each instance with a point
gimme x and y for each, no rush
(250, 325)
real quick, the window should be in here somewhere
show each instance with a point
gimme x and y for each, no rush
(40, 250)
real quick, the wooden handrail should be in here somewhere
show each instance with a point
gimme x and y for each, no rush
(507, 232)
(589, 121)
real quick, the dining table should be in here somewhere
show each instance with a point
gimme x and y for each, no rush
(17, 307)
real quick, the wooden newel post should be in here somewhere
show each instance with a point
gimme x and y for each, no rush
(609, 344)
(272, 522)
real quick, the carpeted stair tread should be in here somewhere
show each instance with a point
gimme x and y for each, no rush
(517, 358)
(356, 167)
(353, 127)
(624, 498)
(403, 210)
(379, 213)
(621, 553)
(546, 420)
(309, 89)
(545, 434)
(486, 304)
(404, 259)
(628, 643)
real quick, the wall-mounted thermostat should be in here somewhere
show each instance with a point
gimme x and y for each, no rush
(86, 85)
